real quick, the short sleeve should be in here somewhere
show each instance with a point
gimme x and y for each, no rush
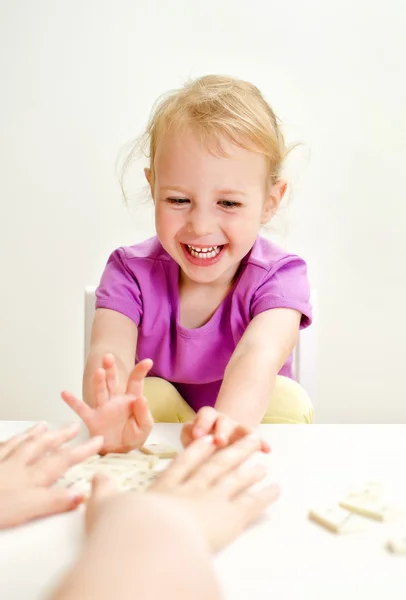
(285, 286)
(119, 289)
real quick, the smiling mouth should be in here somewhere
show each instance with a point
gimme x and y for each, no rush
(204, 253)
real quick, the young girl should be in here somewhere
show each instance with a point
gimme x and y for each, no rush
(208, 309)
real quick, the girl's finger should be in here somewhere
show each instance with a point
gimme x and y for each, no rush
(185, 464)
(110, 367)
(240, 431)
(204, 421)
(33, 449)
(135, 385)
(8, 446)
(100, 389)
(227, 431)
(186, 436)
(142, 414)
(78, 406)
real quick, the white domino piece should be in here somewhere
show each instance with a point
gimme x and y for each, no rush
(372, 509)
(397, 544)
(337, 519)
(133, 458)
(82, 486)
(91, 460)
(132, 471)
(138, 483)
(160, 450)
(370, 500)
(368, 489)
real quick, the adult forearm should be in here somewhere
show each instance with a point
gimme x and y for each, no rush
(146, 547)
(247, 387)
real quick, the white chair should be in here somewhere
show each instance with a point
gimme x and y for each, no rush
(304, 357)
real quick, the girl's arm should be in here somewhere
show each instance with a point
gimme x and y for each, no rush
(250, 375)
(248, 379)
(114, 405)
(112, 333)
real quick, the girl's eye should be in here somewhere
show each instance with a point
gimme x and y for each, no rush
(177, 201)
(229, 204)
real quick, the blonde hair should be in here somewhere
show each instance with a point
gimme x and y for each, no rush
(217, 108)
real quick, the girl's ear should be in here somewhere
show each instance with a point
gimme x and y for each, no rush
(273, 200)
(148, 176)
(147, 173)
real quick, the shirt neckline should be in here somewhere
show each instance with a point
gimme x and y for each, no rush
(215, 318)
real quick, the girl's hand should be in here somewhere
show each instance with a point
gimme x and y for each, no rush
(30, 463)
(124, 420)
(224, 429)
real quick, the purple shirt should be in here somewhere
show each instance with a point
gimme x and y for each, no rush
(141, 282)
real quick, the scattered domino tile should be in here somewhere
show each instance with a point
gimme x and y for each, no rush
(337, 520)
(370, 500)
(373, 509)
(135, 458)
(91, 460)
(397, 544)
(138, 484)
(160, 449)
(132, 471)
(367, 489)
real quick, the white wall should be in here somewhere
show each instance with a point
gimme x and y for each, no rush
(78, 79)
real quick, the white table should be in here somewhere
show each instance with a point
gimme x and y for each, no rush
(282, 557)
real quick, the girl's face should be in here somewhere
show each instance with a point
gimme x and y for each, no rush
(208, 208)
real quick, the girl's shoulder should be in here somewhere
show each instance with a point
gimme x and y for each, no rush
(267, 257)
(148, 249)
(275, 278)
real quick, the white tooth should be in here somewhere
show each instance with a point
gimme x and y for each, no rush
(207, 249)
(206, 254)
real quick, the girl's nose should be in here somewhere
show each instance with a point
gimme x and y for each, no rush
(201, 222)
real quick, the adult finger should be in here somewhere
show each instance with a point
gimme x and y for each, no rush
(185, 464)
(103, 487)
(224, 461)
(251, 504)
(34, 448)
(135, 385)
(239, 480)
(9, 445)
(110, 367)
(142, 414)
(100, 390)
(48, 470)
(78, 406)
(204, 421)
(38, 502)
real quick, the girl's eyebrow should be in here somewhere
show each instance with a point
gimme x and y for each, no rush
(174, 188)
(232, 191)
(182, 190)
